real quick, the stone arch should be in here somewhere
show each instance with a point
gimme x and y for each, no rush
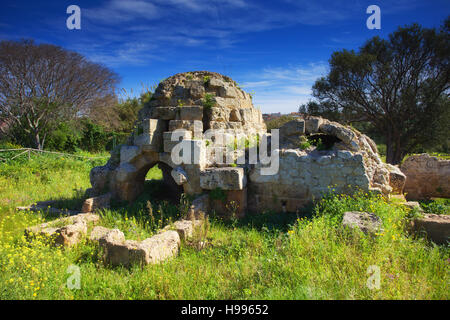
(129, 179)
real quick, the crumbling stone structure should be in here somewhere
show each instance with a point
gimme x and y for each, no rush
(426, 177)
(208, 114)
(342, 159)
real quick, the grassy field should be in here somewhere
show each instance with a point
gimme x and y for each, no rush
(265, 256)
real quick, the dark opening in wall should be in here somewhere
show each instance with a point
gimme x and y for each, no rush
(323, 141)
(160, 185)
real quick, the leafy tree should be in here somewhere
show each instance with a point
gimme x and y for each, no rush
(121, 115)
(42, 85)
(399, 85)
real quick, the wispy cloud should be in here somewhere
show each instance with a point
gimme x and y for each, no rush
(119, 11)
(197, 23)
(283, 89)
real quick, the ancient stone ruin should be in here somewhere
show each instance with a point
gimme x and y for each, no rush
(209, 123)
(426, 177)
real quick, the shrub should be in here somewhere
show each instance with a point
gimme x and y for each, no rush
(208, 101)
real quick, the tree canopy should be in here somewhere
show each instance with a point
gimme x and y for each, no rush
(399, 85)
(42, 85)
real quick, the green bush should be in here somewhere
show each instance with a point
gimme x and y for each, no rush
(64, 138)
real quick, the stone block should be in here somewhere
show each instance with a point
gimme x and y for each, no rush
(228, 178)
(234, 205)
(191, 112)
(196, 126)
(293, 128)
(364, 221)
(67, 231)
(436, 227)
(128, 153)
(98, 232)
(160, 247)
(154, 141)
(200, 207)
(179, 176)
(164, 113)
(217, 114)
(153, 126)
(185, 228)
(100, 202)
(312, 125)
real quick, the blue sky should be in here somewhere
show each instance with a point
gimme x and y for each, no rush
(275, 49)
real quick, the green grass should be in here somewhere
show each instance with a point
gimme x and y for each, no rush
(436, 206)
(264, 256)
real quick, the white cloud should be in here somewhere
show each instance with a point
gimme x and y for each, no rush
(116, 11)
(283, 89)
(201, 23)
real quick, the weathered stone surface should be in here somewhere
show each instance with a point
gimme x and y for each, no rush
(185, 228)
(100, 178)
(153, 126)
(225, 178)
(195, 126)
(113, 236)
(293, 128)
(396, 179)
(86, 217)
(436, 227)
(312, 124)
(118, 251)
(426, 177)
(128, 153)
(160, 247)
(217, 114)
(98, 232)
(154, 141)
(191, 113)
(164, 113)
(71, 234)
(67, 231)
(199, 208)
(100, 202)
(233, 206)
(179, 176)
(364, 221)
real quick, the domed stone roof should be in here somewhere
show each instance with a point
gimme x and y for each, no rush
(210, 97)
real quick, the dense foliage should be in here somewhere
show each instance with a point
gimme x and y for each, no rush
(397, 86)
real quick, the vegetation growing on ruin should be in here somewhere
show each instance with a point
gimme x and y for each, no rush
(208, 101)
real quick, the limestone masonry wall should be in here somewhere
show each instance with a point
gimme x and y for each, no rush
(426, 177)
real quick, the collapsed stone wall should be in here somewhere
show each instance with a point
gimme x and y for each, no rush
(426, 177)
(345, 161)
(202, 104)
